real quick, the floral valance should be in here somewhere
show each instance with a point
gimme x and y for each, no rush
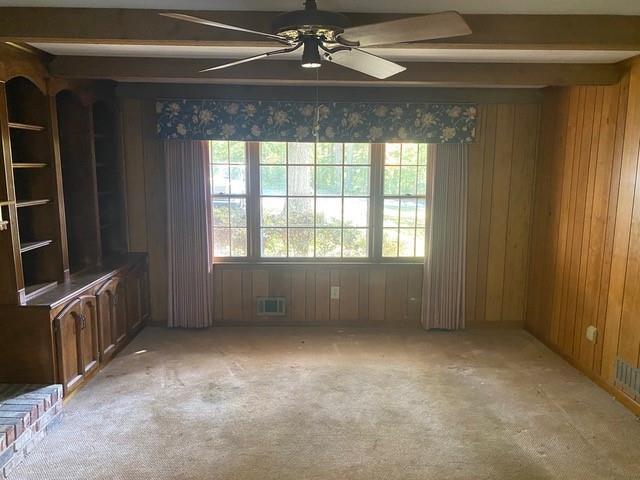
(298, 121)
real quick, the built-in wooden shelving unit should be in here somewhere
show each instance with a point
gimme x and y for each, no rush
(32, 212)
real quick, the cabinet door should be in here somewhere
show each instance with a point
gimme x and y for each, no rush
(68, 346)
(120, 323)
(89, 334)
(107, 299)
(134, 300)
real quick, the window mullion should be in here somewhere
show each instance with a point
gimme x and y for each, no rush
(376, 199)
(253, 200)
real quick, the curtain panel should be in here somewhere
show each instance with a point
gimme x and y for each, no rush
(308, 122)
(443, 294)
(188, 234)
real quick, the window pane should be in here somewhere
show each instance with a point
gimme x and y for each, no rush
(391, 180)
(408, 212)
(421, 216)
(391, 212)
(220, 180)
(238, 242)
(356, 181)
(329, 153)
(390, 242)
(420, 233)
(408, 177)
(392, 153)
(273, 180)
(406, 244)
(238, 180)
(329, 212)
(221, 242)
(422, 153)
(354, 242)
(300, 180)
(301, 153)
(422, 180)
(329, 180)
(237, 152)
(356, 212)
(328, 242)
(409, 153)
(238, 212)
(301, 242)
(220, 210)
(357, 153)
(274, 242)
(273, 152)
(301, 212)
(219, 152)
(274, 212)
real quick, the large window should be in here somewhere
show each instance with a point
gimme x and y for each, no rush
(313, 201)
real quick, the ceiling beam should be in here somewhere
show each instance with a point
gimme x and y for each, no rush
(285, 72)
(131, 26)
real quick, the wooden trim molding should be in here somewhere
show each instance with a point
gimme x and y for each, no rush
(135, 26)
(186, 70)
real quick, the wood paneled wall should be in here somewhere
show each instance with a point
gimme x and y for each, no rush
(146, 197)
(586, 231)
(501, 180)
(369, 294)
(501, 175)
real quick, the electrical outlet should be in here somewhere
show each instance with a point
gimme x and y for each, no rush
(592, 333)
(335, 293)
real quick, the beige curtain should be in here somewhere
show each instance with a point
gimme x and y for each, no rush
(189, 258)
(444, 270)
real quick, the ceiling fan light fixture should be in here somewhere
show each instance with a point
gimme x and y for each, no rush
(310, 54)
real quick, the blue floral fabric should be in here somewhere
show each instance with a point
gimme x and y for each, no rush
(306, 122)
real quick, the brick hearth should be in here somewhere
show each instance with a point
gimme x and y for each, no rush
(27, 414)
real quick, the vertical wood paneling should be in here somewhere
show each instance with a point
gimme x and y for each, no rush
(394, 290)
(502, 166)
(520, 208)
(596, 244)
(134, 172)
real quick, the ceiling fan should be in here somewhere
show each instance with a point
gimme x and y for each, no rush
(328, 36)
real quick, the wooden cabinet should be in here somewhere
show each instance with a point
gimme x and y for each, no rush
(76, 334)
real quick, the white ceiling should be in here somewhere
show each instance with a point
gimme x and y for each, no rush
(548, 7)
(398, 54)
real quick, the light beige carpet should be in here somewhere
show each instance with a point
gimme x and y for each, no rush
(285, 403)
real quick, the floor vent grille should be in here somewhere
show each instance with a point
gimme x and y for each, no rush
(628, 378)
(271, 306)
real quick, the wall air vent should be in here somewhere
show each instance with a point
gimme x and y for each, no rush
(628, 378)
(271, 306)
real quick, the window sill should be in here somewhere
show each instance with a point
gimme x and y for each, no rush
(328, 262)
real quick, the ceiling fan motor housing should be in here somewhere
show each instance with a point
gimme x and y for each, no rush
(310, 22)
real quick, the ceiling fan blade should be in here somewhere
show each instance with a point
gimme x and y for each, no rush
(412, 29)
(252, 58)
(211, 23)
(365, 62)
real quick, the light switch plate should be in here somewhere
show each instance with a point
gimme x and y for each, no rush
(335, 293)
(592, 333)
